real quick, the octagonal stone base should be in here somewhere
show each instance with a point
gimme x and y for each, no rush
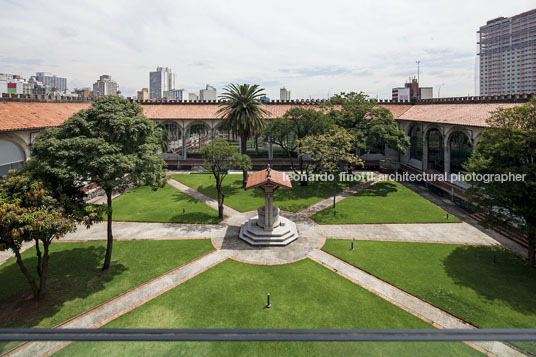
(254, 234)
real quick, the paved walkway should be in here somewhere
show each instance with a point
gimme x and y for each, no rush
(410, 303)
(122, 304)
(209, 201)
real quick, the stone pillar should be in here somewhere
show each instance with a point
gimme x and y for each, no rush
(424, 152)
(184, 132)
(268, 208)
(446, 158)
(270, 150)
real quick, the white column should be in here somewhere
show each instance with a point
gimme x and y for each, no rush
(268, 209)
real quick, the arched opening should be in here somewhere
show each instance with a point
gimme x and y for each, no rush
(175, 138)
(460, 150)
(415, 150)
(12, 156)
(435, 151)
(198, 135)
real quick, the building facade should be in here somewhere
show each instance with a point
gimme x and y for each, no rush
(105, 86)
(160, 81)
(52, 82)
(507, 51)
(143, 94)
(284, 94)
(209, 93)
(177, 94)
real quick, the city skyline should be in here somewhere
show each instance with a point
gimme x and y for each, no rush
(311, 50)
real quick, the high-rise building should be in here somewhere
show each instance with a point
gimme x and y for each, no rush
(105, 86)
(177, 94)
(507, 50)
(143, 94)
(412, 92)
(209, 93)
(51, 82)
(284, 94)
(160, 81)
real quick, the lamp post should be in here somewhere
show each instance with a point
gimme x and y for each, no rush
(439, 90)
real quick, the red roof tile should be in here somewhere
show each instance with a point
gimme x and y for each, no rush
(459, 114)
(261, 178)
(20, 115)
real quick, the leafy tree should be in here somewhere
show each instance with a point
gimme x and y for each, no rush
(162, 134)
(28, 213)
(369, 123)
(331, 151)
(507, 146)
(220, 157)
(243, 114)
(112, 144)
(296, 124)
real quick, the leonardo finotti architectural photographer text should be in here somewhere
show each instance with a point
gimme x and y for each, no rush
(409, 177)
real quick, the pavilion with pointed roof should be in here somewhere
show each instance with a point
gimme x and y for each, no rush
(268, 227)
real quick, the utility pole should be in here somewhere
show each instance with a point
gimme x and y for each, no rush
(418, 70)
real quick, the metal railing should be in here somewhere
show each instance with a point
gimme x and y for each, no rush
(318, 335)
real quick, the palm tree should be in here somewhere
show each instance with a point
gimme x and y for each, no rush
(242, 113)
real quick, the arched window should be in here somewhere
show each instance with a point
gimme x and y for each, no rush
(199, 134)
(460, 150)
(415, 151)
(435, 151)
(175, 142)
(12, 156)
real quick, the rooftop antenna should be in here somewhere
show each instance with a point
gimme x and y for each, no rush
(418, 70)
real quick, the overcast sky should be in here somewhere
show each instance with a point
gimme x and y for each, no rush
(310, 47)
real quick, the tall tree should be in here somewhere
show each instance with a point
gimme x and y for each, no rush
(331, 151)
(162, 134)
(243, 113)
(508, 146)
(296, 124)
(370, 124)
(28, 213)
(112, 144)
(220, 157)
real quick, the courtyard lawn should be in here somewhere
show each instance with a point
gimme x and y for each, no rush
(233, 295)
(460, 279)
(384, 202)
(298, 198)
(76, 283)
(166, 205)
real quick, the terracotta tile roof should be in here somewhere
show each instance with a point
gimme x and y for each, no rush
(276, 178)
(208, 111)
(397, 109)
(20, 115)
(32, 115)
(460, 114)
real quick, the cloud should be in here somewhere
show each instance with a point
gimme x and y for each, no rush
(306, 46)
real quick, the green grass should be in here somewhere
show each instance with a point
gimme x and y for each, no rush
(298, 198)
(383, 202)
(233, 295)
(76, 283)
(166, 205)
(460, 279)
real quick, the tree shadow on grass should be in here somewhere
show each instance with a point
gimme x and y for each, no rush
(73, 274)
(508, 280)
(382, 189)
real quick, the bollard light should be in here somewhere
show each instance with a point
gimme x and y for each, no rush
(268, 305)
(352, 246)
(447, 216)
